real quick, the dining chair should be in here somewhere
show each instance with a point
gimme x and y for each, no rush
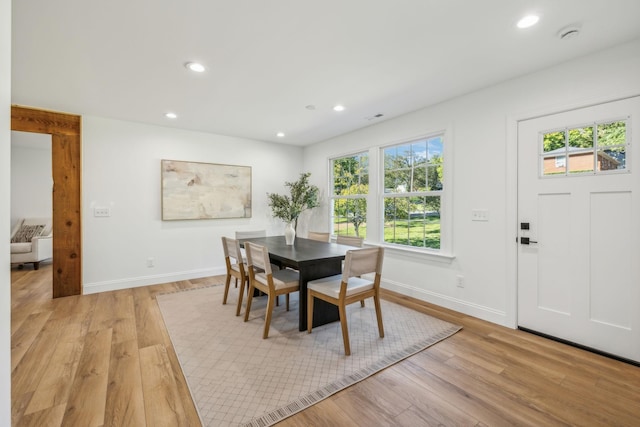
(350, 240)
(273, 283)
(349, 287)
(322, 237)
(250, 234)
(236, 268)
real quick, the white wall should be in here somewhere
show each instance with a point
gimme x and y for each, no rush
(31, 181)
(121, 170)
(482, 135)
(5, 191)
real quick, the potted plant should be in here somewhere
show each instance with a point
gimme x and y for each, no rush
(302, 196)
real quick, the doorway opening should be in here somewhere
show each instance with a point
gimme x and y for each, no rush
(65, 131)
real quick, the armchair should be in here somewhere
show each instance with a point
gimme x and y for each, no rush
(31, 241)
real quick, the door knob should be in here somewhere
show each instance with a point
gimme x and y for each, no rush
(526, 241)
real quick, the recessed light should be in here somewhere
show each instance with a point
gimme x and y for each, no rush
(171, 115)
(528, 21)
(338, 108)
(195, 66)
(280, 134)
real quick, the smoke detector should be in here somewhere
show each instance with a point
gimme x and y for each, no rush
(569, 32)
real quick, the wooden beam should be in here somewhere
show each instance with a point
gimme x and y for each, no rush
(65, 131)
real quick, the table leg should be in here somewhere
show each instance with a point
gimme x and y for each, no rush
(323, 312)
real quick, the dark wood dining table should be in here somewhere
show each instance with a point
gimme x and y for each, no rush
(314, 260)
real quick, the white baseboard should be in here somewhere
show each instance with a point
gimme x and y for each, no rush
(446, 301)
(481, 312)
(134, 282)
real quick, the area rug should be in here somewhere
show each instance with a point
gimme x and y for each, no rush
(238, 379)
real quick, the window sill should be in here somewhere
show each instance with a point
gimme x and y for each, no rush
(418, 254)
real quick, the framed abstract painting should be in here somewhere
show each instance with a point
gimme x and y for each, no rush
(195, 190)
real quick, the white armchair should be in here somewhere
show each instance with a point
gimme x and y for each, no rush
(31, 241)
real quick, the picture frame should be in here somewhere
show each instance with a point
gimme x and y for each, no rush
(197, 190)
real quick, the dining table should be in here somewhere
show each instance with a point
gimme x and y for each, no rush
(313, 259)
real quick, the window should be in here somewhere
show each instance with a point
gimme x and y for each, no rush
(596, 148)
(413, 190)
(350, 177)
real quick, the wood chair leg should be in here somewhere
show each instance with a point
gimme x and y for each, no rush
(240, 295)
(376, 300)
(227, 283)
(309, 311)
(267, 316)
(361, 303)
(249, 300)
(345, 331)
(286, 297)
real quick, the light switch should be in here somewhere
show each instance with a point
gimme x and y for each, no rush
(101, 211)
(479, 215)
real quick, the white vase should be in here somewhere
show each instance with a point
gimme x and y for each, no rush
(289, 233)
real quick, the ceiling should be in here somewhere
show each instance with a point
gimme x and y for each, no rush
(266, 61)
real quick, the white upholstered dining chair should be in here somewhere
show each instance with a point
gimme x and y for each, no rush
(358, 242)
(350, 240)
(349, 287)
(319, 236)
(250, 233)
(272, 282)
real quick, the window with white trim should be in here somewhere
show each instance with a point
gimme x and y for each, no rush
(413, 192)
(350, 186)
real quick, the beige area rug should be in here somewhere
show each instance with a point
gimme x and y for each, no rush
(238, 379)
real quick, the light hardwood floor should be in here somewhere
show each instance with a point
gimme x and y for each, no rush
(106, 359)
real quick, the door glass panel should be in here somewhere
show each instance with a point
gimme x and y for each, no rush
(554, 165)
(610, 134)
(612, 140)
(601, 147)
(612, 159)
(553, 141)
(581, 137)
(581, 162)
(554, 159)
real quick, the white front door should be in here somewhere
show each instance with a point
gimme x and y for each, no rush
(579, 226)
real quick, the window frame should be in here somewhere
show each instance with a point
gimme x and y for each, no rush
(594, 150)
(445, 212)
(360, 196)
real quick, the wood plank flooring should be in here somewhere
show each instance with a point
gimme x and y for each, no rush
(106, 360)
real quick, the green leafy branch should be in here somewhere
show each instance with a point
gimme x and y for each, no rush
(302, 196)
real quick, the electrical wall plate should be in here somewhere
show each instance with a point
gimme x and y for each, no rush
(479, 215)
(101, 211)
